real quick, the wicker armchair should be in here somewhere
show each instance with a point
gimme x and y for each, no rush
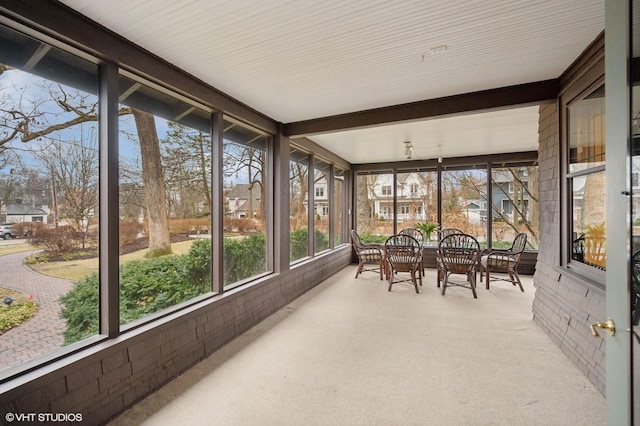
(504, 262)
(370, 256)
(404, 254)
(458, 254)
(419, 236)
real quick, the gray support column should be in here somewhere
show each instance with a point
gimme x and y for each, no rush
(439, 196)
(281, 205)
(489, 201)
(394, 188)
(311, 205)
(332, 205)
(109, 201)
(217, 199)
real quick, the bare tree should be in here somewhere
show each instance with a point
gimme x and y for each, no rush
(27, 119)
(186, 155)
(73, 166)
(250, 162)
(10, 178)
(298, 187)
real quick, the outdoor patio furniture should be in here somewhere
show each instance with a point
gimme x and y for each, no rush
(441, 234)
(458, 254)
(370, 256)
(419, 236)
(504, 262)
(403, 254)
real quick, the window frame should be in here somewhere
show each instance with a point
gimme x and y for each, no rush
(579, 91)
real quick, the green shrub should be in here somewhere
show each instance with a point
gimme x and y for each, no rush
(146, 286)
(199, 263)
(244, 257)
(320, 241)
(299, 244)
(80, 309)
(373, 238)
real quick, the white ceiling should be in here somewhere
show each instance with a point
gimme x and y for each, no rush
(296, 60)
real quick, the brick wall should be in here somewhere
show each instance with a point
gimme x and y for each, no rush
(103, 380)
(564, 306)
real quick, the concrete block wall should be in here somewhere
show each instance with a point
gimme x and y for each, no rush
(564, 305)
(103, 380)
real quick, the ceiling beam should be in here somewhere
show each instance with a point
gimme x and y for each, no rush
(503, 97)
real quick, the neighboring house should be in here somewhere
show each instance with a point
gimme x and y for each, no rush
(237, 200)
(412, 198)
(410, 194)
(320, 198)
(505, 191)
(18, 213)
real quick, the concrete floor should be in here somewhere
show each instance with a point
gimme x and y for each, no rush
(351, 353)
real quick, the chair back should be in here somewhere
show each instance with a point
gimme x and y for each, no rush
(402, 251)
(519, 243)
(448, 231)
(458, 252)
(355, 238)
(413, 232)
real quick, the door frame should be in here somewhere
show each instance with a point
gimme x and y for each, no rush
(618, 231)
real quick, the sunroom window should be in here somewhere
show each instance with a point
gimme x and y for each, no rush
(586, 179)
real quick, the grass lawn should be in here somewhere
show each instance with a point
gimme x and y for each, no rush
(75, 269)
(16, 248)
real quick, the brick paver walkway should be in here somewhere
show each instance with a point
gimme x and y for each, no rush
(42, 333)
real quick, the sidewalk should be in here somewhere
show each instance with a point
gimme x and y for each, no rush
(42, 333)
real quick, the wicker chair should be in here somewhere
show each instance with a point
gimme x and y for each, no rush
(419, 236)
(458, 254)
(441, 234)
(448, 231)
(504, 262)
(370, 256)
(403, 253)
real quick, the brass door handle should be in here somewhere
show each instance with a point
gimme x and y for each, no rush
(608, 325)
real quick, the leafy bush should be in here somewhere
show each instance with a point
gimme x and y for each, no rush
(129, 231)
(242, 226)
(186, 226)
(320, 241)
(146, 287)
(373, 238)
(244, 257)
(299, 244)
(29, 229)
(57, 240)
(80, 309)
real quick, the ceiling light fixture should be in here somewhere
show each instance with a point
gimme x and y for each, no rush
(408, 150)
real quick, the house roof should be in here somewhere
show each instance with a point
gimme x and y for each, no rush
(301, 62)
(241, 192)
(23, 209)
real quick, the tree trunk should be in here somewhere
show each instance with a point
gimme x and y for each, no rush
(152, 178)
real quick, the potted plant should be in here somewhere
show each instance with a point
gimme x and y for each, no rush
(427, 228)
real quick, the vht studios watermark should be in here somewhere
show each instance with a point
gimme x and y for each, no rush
(43, 417)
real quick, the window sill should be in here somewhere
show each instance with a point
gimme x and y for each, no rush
(593, 281)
